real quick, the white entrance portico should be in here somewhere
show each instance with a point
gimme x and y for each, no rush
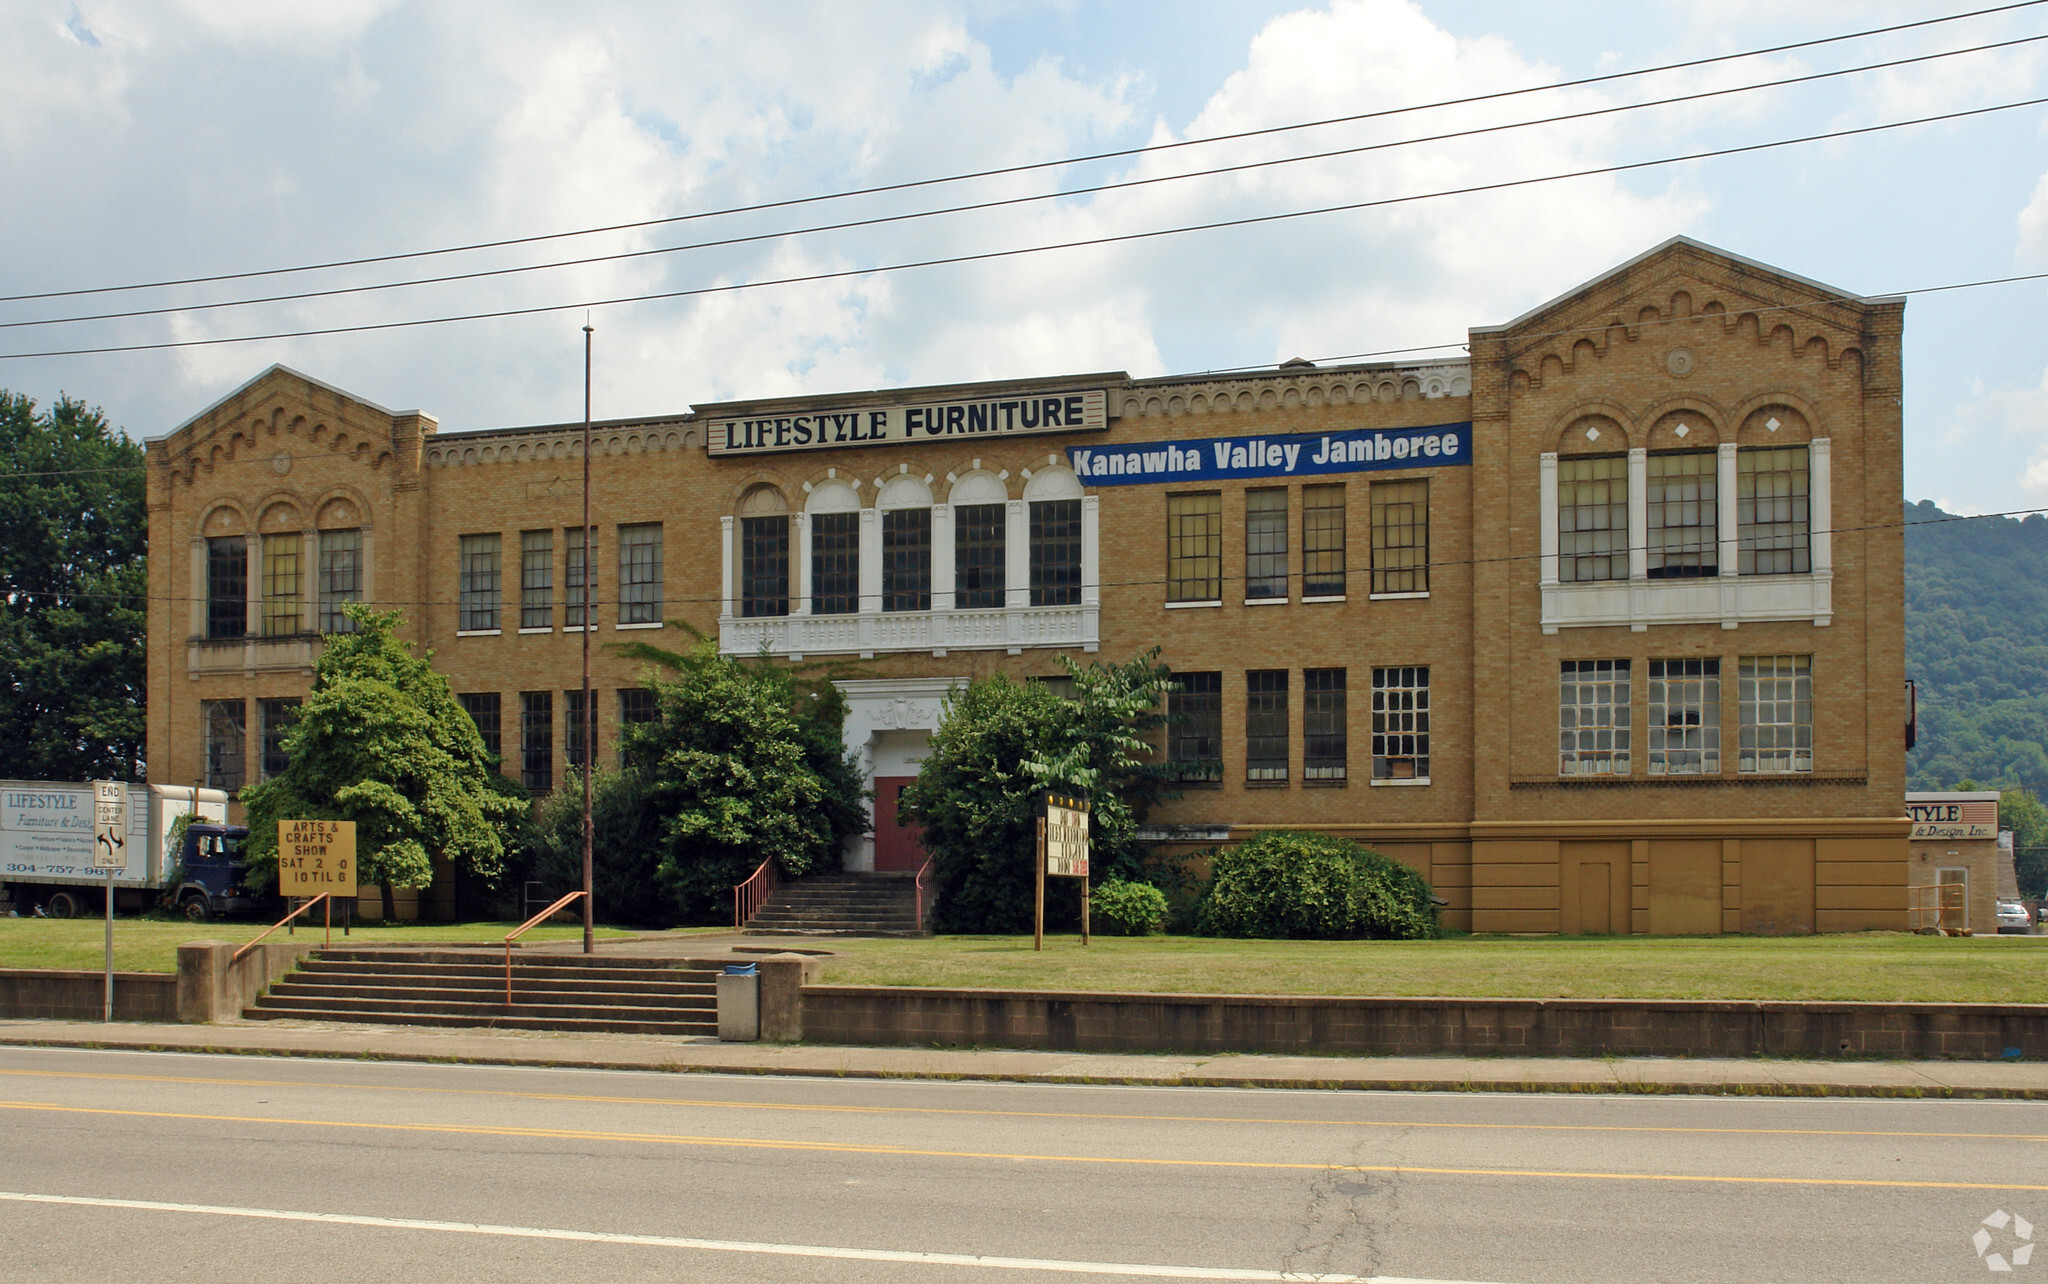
(889, 723)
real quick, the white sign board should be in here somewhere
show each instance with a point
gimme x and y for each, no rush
(109, 825)
(1066, 838)
(46, 833)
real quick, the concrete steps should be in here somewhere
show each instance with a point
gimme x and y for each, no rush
(844, 904)
(467, 988)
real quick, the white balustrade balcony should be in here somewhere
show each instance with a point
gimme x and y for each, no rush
(941, 630)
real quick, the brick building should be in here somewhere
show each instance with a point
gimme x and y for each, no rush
(1599, 628)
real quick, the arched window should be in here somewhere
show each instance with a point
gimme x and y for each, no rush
(906, 506)
(1053, 496)
(980, 551)
(764, 552)
(834, 512)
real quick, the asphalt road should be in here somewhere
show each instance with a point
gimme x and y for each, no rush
(135, 1166)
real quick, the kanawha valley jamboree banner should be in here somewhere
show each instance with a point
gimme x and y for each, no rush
(1280, 455)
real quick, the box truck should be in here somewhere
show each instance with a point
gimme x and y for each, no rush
(46, 858)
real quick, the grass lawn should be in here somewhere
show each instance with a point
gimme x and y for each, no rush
(1881, 967)
(151, 945)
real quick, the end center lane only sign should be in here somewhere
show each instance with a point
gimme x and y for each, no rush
(315, 856)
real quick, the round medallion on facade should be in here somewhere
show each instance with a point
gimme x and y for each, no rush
(1679, 362)
(281, 462)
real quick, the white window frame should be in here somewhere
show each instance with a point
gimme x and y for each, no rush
(1593, 733)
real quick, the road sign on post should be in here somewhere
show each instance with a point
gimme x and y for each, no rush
(1063, 848)
(109, 853)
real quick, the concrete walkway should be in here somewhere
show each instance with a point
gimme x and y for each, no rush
(1938, 1079)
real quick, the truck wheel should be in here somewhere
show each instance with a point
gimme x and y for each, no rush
(62, 905)
(196, 909)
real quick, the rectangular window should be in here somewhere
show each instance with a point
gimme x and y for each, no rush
(1322, 541)
(1400, 536)
(574, 568)
(1777, 714)
(1400, 723)
(1194, 547)
(227, 587)
(835, 563)
(278, 717)
(341, 578)
(227, 734)
(483, 709)
(1684, 515)
(1772, 518)
(537, 741)
(1592, 518)
(764, 565)
(1685, 717)
(978, 555)
(575, 727)
(640, 573)
(536, 579)
(1265, 725)
(283, 593)
(907, 559)
(1195, 726)
(636, 707)
(1056, 552)
(1593, 718)
(1325, 743)
(479, 587)
(1265, 543)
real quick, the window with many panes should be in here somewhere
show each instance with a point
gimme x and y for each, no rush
(1777, 714)
(278, 717)
(764, 565)
(1772, 511)
(1265, 543)
(636, 706)
(1265, 725)
(536, 579)
(978, 556)
(1593, 718)
(835, 563)
(1194, 729)
(1324, 743)
(640, 573)
(1322, 541)
(1684, 515)
(907, 559)
(341, 578)
(575, 726)
(1400, 723)
(1685, 717)
(575, 575)
(1194, 547)
(283, 589)
(1055, 552)
(225, 726)
(1592, 518)
(478, 606)
(537, 740)
(1400, 536)
(227, 586)
(483, 708)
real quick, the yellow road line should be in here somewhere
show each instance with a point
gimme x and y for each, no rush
(850, 1148)
(799, 1107)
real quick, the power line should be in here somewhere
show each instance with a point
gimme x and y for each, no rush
(1005, 202)
(1157, 148)
(991, 255)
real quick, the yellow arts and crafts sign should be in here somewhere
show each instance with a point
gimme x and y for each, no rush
(315, 856)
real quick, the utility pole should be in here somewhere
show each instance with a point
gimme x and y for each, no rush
(589, 713)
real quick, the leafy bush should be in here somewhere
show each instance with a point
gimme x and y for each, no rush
(1292, 883)
(1119, 908)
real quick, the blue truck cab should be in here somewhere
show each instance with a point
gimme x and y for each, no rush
(210, 881)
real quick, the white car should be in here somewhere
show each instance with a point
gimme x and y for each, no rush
(2014, 918)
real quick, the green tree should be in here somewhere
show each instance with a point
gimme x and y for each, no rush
(73, 591)
(382, 741)
(1000, 746)
(2021, 812)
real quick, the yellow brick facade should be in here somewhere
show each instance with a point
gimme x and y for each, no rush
(1683, 335)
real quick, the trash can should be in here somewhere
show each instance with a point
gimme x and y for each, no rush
(739, 1003)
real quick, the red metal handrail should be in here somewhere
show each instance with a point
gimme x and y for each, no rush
(750, 896)
(922, 870)
(519, 931)
(280, 923)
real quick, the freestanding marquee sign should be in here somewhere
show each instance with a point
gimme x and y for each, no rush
(1062, 853)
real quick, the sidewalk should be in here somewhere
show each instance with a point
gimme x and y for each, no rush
(1933, 1079)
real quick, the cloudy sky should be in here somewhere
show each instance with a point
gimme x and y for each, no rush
(153, 140)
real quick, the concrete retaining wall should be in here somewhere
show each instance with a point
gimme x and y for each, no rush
(1085, 1022)
(81, 996)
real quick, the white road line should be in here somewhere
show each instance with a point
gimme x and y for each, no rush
(727, 1246)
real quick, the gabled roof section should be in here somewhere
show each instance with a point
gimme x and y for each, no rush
(267, 375)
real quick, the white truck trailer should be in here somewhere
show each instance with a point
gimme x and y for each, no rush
(46, 860)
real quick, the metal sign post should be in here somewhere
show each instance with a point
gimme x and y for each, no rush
(316, 857)
(1063, 850)
(110, 854)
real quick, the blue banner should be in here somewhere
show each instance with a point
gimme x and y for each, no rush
(1279, 455)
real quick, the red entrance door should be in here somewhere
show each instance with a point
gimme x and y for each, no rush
(897, 847)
